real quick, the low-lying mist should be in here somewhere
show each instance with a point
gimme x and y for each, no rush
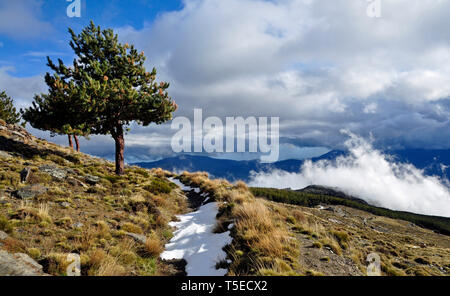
(371, 175)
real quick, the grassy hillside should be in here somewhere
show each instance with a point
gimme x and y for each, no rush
(439, 224)
(73, 203)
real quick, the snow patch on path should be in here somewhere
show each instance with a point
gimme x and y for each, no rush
(195, 242)
(184, 187)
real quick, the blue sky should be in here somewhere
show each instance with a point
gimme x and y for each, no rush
(320, 66)
(28, 55)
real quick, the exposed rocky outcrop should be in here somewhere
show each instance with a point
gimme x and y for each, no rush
(54, 171)
(19, 264)
(29, 192)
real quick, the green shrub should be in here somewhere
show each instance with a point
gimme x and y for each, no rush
(6, 225)
(34, 253)
(112, 178)
(142, 172)
(158, 186)
(8, 112)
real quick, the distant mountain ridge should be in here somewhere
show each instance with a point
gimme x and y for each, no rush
(433, 162)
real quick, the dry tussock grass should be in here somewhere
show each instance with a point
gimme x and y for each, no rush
(39, 213)
(104, 264)
(110, 267)
(159, 172)
(153, 246)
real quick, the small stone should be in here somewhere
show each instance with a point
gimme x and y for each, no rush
(92, 180)
(140, 238)
(25, 175)
(4, 154)
(75, 182)
(64, 204)
(30, 191)
(3, 235)
(77, 225)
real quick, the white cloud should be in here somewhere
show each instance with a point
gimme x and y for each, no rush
(21, 89)
(305, 61)
(370, 108)
(368, 174)
(43, 54)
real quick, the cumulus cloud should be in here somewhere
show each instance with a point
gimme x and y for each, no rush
(371, 175)
(21, 89)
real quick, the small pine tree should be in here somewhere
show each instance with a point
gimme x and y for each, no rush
(8, 112)
(56, 112)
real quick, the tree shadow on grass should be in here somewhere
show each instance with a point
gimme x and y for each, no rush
(28, 151)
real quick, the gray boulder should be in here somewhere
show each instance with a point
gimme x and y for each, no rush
(53, 171)
(92, 180)
(29, 192)
(18, 264)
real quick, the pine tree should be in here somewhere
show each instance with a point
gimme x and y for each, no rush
(57, 111)
(8, 112)
(105, 90)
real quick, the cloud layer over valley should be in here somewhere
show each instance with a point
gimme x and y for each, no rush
(371, 175)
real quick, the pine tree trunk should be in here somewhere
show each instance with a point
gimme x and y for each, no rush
(120, 147)
(77, 142)
(70, 141)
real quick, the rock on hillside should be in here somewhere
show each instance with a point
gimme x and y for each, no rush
(19, 264)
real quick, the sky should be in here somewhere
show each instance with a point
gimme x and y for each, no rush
(320, 66)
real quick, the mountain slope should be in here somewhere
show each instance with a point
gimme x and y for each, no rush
(54, 201)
